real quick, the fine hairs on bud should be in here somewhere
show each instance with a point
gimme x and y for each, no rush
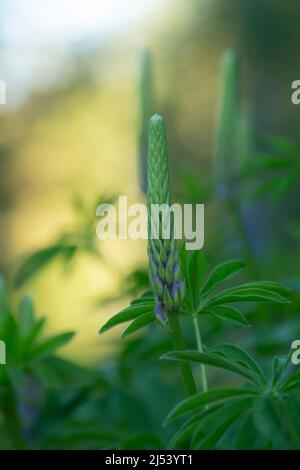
(164, 268)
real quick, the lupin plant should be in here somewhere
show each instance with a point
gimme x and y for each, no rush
(164, 268)
(180, 287)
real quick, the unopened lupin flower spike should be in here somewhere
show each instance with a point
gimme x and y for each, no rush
(168, 288)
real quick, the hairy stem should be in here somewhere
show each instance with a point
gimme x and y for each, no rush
(200, 349)
(186, 371)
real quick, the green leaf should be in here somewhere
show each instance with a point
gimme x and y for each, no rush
(263, 161)
(26, 316)
(221, 273)
(206, 439)
(187, 429)
(237, 354)
(227, 313)
(267, 285)
(246, 438)
(292, 410)
(140, 322)
(195, 402)
(241, 294)
(49, 346)
(33, 334)
(213, 360)
(129, 313)
(269, 423)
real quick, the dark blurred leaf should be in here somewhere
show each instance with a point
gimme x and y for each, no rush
(35, 262)
(283, 146)
(49, 346)
(26, 316)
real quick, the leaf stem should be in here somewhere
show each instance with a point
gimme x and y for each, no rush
(200, 349)
(178, 341)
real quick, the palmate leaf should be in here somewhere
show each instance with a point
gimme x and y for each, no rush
(269, 422)
(138, 307)
(211, 359)
(227, 313)
(185, 432)
(221, 273)
(246, 294)
(243, 358)
(218, 304)
(268, 285)
(196, 402)
(210, 430)
(246, 437)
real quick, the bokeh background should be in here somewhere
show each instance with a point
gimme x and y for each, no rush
(73, 130)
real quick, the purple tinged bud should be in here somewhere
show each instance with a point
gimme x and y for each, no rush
(163, 255)
(178, 293)
(169, 270)
(176, 272)
(152, 278)
(161, 272)
(160, 311)
(159, 286)
(152, 262)
(168, 301)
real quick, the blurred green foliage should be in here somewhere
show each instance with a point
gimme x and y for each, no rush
(251, 186)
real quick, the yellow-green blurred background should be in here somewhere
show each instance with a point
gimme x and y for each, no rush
(72, 119)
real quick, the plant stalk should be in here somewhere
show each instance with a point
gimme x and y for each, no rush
(178, 341)
(200, 349)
